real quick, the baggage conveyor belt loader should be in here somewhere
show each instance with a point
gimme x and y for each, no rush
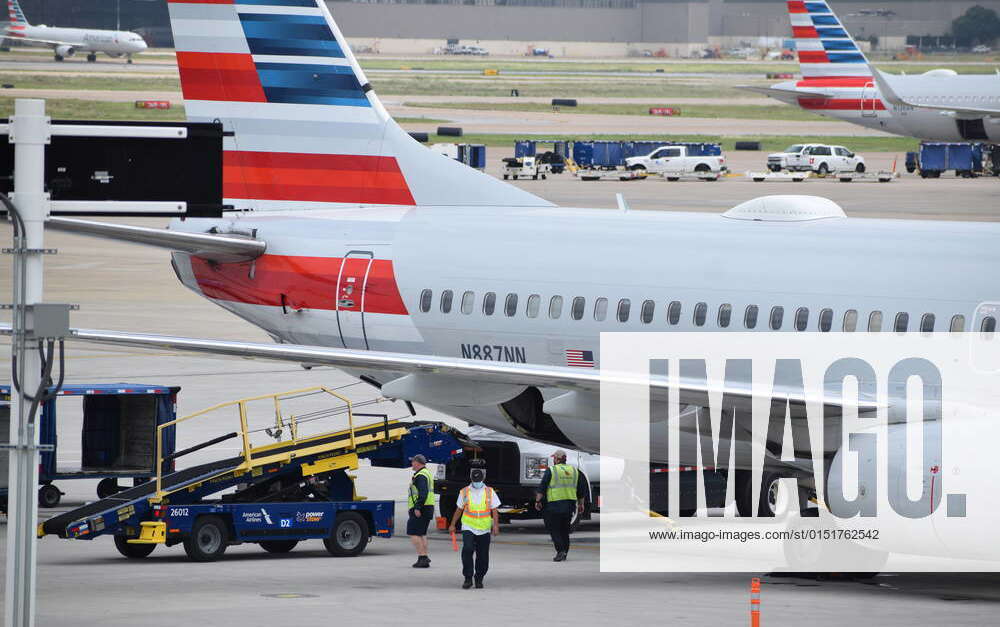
(286, 491)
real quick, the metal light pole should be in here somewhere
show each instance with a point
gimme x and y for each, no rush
(30, 132)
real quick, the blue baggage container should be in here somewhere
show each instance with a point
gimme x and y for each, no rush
(524, 148)
(117, 435)
(608, 154)
(583, 153)
(476, 156)
(963, 158)
(641, 148)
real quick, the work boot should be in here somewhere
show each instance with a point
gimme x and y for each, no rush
(467, 583)
(422, 562)
(479, 583)
(560, 557)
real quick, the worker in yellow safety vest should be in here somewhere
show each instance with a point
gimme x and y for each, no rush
(564, 488)
(477, 508)
(420, 506)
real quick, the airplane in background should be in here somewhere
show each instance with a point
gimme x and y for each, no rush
(839, 82)
(354, 246)
(66, 42)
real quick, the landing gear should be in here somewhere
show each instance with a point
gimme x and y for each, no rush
(59, 57)
(92, 57)
(128, 59)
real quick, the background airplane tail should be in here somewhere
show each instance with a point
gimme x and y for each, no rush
(308, 130)
(825, 48)
(15, 16)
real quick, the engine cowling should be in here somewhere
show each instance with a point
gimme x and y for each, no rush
(65, 51)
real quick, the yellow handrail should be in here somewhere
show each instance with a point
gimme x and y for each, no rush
(244, 430)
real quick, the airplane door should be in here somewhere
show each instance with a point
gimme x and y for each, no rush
(869, 100)
(352, 283)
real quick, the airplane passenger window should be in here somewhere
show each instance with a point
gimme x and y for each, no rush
(646, 315)
(425, 300)
(725, 315)
(576, 309)
(446, 297)
(989, 324)
(927, 323)
(902, 322)
(674, 312)
(468, 300)
(957, 323)
(624, 306)
(851, 320)
(777, 318)
(700, 312)
(825, 320)
(875, 322)
(489, 303)
(600, 309)
(555, 307)
(801, 318)
(510, 305)
(750, 317)
(534, 303)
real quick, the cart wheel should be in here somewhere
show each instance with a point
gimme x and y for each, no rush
(208, 540)
(49, 496)
(278, 546)
(506, 176)
(107, 487)
(133, 551)
(349, 537)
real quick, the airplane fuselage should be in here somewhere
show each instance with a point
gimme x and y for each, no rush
(114, 43)
(859, 101)
(538, 286)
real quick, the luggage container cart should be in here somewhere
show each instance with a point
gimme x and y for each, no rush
(118, 429)
(275, 494)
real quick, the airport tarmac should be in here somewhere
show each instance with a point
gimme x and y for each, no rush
(126, 287)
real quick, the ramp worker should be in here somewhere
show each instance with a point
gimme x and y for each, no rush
(420, 505)
(477, 507)
(564, 488)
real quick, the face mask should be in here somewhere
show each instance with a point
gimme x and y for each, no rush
(477, 484)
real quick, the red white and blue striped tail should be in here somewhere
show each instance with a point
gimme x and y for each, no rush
(825, 48)
(15, 16)
(309, 131)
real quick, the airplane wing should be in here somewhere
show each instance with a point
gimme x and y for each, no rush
(452, 368)
(890, 94)
(223, 248)
(35, 40)
(790, 96)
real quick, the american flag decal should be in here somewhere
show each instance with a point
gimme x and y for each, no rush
(582, 359)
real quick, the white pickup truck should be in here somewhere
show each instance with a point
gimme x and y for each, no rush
(672, 161)
(820, 158)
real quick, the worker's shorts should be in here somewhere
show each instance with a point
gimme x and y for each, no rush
(418, 526)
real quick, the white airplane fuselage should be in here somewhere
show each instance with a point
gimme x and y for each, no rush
(303, 291)
(111, 42)
(859, 101)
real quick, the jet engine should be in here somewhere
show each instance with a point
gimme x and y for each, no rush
(65, 51)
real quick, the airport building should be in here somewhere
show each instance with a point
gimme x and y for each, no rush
(580, 28)
(595, 28)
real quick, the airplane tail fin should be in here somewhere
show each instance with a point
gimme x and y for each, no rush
(825, 48)
(308, 131)
(15, 16)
